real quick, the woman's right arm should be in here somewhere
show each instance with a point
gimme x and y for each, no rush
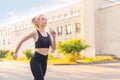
(31, 35)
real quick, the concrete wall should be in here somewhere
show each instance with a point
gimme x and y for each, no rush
(109, 30)
(88, 24)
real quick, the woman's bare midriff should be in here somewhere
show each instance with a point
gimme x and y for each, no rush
(43, 51)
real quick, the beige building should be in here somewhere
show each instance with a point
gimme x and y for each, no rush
(95, 21)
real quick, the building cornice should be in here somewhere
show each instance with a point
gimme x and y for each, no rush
(109, 5)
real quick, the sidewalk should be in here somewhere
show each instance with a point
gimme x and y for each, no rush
(21, 71)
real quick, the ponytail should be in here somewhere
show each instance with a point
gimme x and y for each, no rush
(35, 23)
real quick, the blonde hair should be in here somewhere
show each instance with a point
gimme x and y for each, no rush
(35, 19)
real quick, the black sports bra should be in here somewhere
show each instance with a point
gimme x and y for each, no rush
(43, 42)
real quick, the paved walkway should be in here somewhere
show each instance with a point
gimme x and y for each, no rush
(21, 71)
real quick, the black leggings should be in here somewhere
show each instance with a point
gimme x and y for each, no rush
(38, 66)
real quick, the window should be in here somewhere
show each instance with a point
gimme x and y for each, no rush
(68, 29)
(59, 30)
(3, 41)
(77, 25)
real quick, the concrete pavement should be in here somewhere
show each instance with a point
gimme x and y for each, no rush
(21, 71)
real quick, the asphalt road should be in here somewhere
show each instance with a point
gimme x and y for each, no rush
(21, 71)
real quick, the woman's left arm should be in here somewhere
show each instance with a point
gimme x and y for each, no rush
(53, 39)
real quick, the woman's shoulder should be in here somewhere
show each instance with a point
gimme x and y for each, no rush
(33, 32)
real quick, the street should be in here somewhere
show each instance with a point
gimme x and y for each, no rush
(21, 71)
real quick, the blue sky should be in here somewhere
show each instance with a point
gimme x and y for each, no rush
(15, 10)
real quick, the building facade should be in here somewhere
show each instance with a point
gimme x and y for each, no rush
(95, 21)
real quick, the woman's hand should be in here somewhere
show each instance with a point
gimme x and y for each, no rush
(53, 33)
(14, 56)
(53, 39)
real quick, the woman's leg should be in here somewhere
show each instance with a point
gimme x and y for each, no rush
(44, 67)
(44, 64)
(36, 69)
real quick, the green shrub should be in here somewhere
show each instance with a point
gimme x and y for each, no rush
(72, 46)
(28, 53)
(9, 54)
(2, 53)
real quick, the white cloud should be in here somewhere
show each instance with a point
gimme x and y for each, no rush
(37, 10)
(13, 15)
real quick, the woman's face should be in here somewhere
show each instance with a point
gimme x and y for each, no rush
(42, 21)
